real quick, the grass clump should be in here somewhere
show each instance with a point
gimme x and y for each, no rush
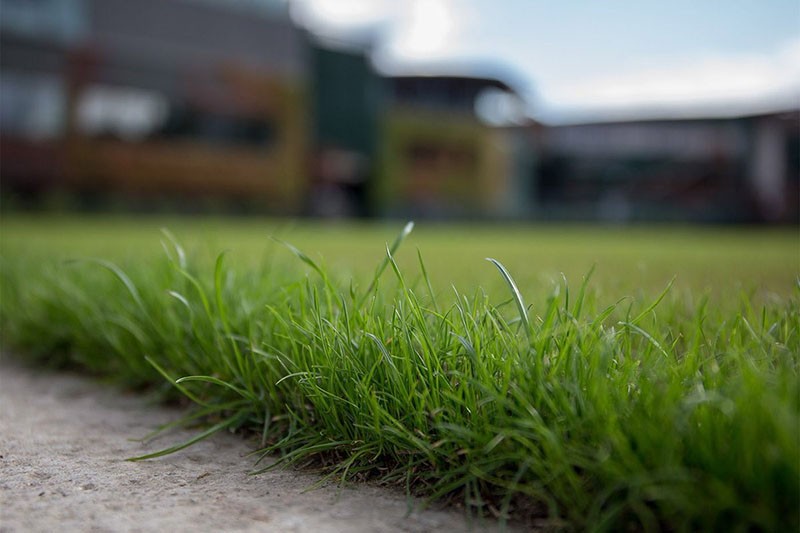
(653, 415)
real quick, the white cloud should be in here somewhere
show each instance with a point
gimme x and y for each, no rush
(426, 34)
(344, 14)
(427, 30)
(704, 83)
(411, 30)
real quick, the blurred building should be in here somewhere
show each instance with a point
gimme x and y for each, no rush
(347, 101)
(438, 159)
(228, 104)
(741, 169)
(196, 99)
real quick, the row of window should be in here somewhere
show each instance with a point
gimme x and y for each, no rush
(35, 108)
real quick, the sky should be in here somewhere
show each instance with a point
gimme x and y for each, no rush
(583, 60)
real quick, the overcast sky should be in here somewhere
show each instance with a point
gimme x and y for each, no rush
(580, 59)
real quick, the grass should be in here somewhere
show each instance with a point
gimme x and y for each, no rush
(621, 400)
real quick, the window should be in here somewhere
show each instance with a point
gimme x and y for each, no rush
(62, 21)
(31, 106)
(130, 114)
(124, 113)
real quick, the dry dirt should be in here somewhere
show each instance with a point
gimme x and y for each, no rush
(63, 444)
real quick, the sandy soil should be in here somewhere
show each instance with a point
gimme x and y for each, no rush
(63, 444)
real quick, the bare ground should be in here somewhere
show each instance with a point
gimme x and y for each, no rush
(63, 444)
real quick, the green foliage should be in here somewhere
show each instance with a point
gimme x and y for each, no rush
(666, 413)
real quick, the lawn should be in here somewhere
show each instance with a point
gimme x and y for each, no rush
(719, 260)
(595, 377)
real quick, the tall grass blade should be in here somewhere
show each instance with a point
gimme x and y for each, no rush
(427, 279)
(229, 422)
(523, 312)
(216, 381)
(174, 382)
(654, 304)
(119, 274)
(303, 257)
(385, 262)
(176, 246)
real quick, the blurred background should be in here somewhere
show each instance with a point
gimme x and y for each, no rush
(434, 109)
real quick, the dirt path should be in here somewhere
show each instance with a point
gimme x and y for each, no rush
(63, 441)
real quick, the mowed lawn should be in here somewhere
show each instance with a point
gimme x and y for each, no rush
(662, 393)
(717, 260)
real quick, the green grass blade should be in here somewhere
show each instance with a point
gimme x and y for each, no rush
(427, 279)
(523, 312)
(174, 383)
(303, 257)
(229, 422)
(179, 252)
(385, 262)
(119, 274)
(216, 381)
(654, 304)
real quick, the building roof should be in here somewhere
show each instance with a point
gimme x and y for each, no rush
(456, 93)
